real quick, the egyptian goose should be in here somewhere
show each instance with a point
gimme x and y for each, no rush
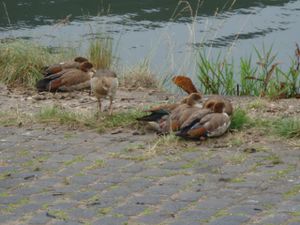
(67, 79)
(168, 117)
(104, 83)
(186, 84)
(56, 68)
(211, 125)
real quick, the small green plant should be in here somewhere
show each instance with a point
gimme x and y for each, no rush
(287, 127)
(239, 119)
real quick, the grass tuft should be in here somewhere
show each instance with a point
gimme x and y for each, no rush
(287, 127)
(101, 52)
(139, 76)
(239, 119)
(21, 62)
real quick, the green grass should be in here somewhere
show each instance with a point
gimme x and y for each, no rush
(22, 61)
(287, 127)
(58, 115)
(55, 114)
(118, 119)
(239, 119)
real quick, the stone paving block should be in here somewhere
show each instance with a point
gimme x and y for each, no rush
(295, 223)
(152, 218)
(82, 195)
(196, 215)
(47, 182)
(78, 213)
(109, 220)
(185, 222)
(162, 190)
(117, 192)
(133, 168)
(214, 203)
(230, 220)
(10, 199)
(146, 199)
(265, 199)
(6, 219)
(62, 222)
(275, 219)
(64, 206)
(249, 210)
(138, 184)
(28, 190)
(28, 208)
(155, 172)
(171, 206)
(39, 218)
(187, 196)
(83, 180)
(129, 209)
(173, 165)
(289, 207)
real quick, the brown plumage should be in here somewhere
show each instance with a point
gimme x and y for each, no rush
(56, 68)
(185, 83)
(167, 117)
(67, 79)
(228, 108)
(104, 83)
(181, 113)
(210, 125)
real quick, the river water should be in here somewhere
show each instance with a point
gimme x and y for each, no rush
(164, 32)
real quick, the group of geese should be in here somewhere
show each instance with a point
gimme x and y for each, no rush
(190, 118)
(79, 74)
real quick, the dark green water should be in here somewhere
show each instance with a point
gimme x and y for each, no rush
(158, 30)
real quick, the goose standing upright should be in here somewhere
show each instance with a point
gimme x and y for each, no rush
(104, 83)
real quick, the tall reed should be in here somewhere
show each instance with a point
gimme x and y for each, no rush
(264, 78)
(101, 52)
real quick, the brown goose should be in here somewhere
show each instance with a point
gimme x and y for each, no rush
(56, 68)
(228, 108)
(104, 83)
(186, 84)
(211, 125)
(169, 117)
(67, 79)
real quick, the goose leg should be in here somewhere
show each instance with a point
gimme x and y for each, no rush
(110, 106)
(99, 104)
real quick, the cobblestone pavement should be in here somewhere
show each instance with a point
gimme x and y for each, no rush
(55, 176)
